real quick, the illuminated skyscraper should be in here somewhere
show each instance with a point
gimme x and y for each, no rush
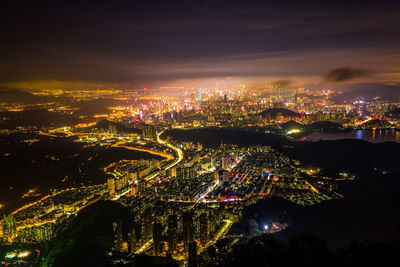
(111, 186)
(112, 128)
(149, 132)
(212, 223)
(203, 228)
(142, 186)
(157, 238)
(172, 232)
(187, 219)
(147, 225)
(226, 162)
(35, 234)
(117, 230)
(9, 229)
(172, 172)
(132, 240)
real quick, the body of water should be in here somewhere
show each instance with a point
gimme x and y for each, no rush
(373, 136)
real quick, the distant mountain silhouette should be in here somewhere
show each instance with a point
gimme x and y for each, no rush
(17, 96)
(273, 112)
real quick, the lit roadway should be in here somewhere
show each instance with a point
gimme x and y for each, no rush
(145, 247)
(148, 244)
(122, 145)
(178, 151)
(224, 229)
(364, 121)
(119, 144)
(177, 160)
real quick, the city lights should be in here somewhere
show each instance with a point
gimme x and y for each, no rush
(199, 134)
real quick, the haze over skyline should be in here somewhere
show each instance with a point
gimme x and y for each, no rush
(133, 45)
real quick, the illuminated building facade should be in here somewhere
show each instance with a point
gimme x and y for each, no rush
(117, 231)
(157, 238)
(9, 229)
(203, 228)
(187, 219)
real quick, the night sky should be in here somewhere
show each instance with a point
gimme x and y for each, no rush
(132, 44)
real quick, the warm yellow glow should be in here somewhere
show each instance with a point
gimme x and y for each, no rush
(293, 131)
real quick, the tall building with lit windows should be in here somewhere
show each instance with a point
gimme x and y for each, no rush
(111, 186)
(157, 238)
(203, 228)
(172, 232)
(132, 240)
(9, 229)
(187, 219)
(117, 231)
(147, 224)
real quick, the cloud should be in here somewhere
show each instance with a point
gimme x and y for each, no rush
(345, 74)
(139, 44)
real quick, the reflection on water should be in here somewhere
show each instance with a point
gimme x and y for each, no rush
(359, 134)
(374, 136)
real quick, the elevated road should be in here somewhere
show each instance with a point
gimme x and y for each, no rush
(178, 151)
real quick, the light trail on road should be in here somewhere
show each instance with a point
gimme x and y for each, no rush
(122, 145)
(177, 149)
(224, 229)
(145, 247)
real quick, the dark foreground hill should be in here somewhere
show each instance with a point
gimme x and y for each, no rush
(307, 250)
(88, 237)
(337, 222)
